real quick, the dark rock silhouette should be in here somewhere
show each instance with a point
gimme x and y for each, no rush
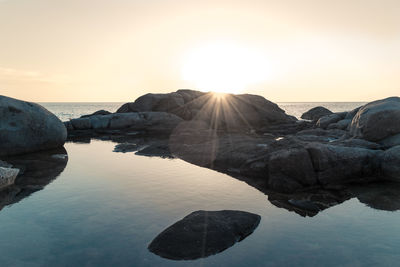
(204, 233)
(315, 113)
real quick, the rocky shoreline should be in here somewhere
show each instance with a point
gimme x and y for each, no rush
(249, 136)
(245, 136)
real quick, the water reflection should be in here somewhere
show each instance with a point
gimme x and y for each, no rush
(382, 196)
(36, 171)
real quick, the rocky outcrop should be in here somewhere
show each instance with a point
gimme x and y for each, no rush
(225, 112)
(204, 233)
(99, 112)
(28, 127)
(316, 113)
(377, 120)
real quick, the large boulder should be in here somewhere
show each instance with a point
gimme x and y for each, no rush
(7, 176)
(221, 111)
(315, 113)
(377, 120)
(27, 127)
(204, 233)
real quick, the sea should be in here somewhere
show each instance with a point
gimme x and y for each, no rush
(104, 208)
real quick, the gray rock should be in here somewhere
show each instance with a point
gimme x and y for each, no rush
(316, 113)
(377, 120)
(27, 127)
(340, 165)
(324, 121)
(7, 176)
(390, 164)
(68, 125)
(100, 121)
(101, 112)
(125, 120)
(5, 164)
(204, 233)
(342, 125)
(126, 147)
(81, 123)
(350, 115)
(291, 164)
(391, 141)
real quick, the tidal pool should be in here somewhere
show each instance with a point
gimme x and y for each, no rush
(105, 208)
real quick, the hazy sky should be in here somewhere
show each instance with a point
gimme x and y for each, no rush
(116, 50)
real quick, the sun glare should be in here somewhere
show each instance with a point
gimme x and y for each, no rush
(224, 67)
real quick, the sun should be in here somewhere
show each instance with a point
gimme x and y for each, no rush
(224, 67)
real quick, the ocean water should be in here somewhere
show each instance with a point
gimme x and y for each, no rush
(104, 208)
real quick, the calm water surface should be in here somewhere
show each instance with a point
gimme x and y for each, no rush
(106, 207)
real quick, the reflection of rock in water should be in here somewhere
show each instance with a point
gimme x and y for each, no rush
(233, 160)
(204, 233)
(36, 171)
(381, 196)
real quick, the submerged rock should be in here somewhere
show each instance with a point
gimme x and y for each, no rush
(28, 127)
(204, 233)
(316, 113)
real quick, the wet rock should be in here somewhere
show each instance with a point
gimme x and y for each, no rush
(100, 121)
(342, 124)
(204, 233)
(377, 120)
(28, 127)
(316, 113)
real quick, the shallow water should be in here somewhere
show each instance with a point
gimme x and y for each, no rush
(106, 207)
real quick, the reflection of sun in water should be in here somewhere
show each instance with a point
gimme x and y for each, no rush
(224, 67)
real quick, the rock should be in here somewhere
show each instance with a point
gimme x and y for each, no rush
(316, 113)
(5, 164)
(291, 169)
(324, 121)
(97, 113)
(27, 127)
(7, 176)
(204, 233)
(228, 112)
(100, 121)
(377, 120)
(68, 125)
(391, 141)
(340, 165)
(350, 115)
(390, 164)
(125, 120)
(81, 123)
(355, 142)
(342, 125)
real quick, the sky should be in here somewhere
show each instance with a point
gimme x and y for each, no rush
(284, 50)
